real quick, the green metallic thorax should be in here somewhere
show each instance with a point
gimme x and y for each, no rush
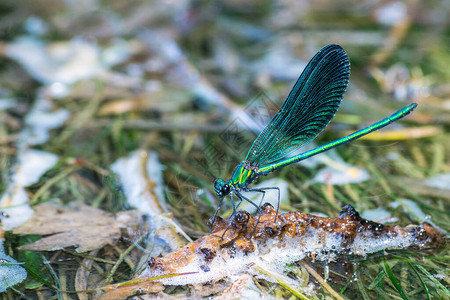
(242, 176)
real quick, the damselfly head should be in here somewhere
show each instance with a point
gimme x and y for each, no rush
(222, 188)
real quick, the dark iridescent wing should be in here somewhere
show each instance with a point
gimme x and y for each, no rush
(308, 109)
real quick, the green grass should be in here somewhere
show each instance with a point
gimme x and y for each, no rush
(195, 157)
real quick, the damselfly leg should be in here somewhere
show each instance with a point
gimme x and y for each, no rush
(263, 191)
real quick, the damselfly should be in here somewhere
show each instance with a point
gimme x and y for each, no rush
(308, 109)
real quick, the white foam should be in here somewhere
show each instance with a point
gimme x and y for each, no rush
(274, 254)
(32, 164)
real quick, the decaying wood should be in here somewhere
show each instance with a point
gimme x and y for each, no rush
(349, 224)
(292, 232)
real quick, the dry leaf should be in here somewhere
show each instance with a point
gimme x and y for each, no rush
(208, 289)
(82, 276)
(127, 289)
(84, 227)
(11, 273)
(236, 288)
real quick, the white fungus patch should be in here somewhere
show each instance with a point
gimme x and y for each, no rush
(7, 103)
(40, 120)
(337, 171)
(140, 175)
(391, 13)
(343, 175)
(275, 254)
(439, 276)
(411, 208)
(11, 272)
(135, 184)
(440, 181)
(379, 215)
(65, 62)
(32, 164)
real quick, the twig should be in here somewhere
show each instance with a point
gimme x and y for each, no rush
(121, 258)
(321, 281)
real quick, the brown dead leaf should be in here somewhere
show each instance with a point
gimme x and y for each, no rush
(82, 275)
(82, 226)
(209, 289)
(155, 288)
(235, 290)
(127, 289)
(164, 101)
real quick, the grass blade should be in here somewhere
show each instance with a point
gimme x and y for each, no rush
(394, 280)
(434, 280)
(425, 288)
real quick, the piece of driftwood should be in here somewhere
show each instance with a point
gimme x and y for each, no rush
(228, 251)
(348, 234)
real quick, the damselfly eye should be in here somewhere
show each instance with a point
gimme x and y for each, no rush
(226, 189)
